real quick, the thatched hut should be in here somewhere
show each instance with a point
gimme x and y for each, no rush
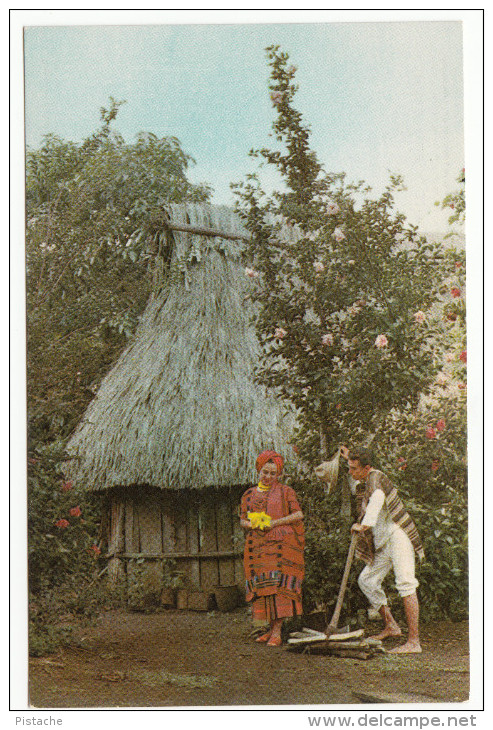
(172, 434)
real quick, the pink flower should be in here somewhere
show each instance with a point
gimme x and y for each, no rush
(332, 208)
(440, 424)
(67, 486)
(463, 356)
(338, 234)
(319, 267)
(381, 341)
(251, 273)
(435, 465)
(280, 333)
(328, 339)
(455, 291)
(75, 511)
(419, 317)
(62, 524)
(276, 97)
(430, 432)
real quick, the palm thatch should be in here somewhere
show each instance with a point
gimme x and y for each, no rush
(181, 408)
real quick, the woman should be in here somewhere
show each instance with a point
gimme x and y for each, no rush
(273, 560)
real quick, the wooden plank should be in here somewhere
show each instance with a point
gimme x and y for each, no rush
(209, 573)
(168, 524)
(225, 541)
(116, 542)
(395, 698)
(150, 524)
(130, 545)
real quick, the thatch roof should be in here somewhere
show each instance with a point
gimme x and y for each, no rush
(180, 409)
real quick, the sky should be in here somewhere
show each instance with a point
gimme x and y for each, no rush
(380, 97)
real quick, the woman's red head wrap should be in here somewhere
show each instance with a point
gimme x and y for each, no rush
(266, 456)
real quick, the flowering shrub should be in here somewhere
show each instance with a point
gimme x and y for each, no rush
(363, 330)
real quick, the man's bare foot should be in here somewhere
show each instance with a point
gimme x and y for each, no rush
(388, 631)
(410, 647)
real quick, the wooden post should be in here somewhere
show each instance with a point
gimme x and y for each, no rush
(116, 540)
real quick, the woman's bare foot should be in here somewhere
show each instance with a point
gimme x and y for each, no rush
(388, 631)
(410, 647)
(264, 637)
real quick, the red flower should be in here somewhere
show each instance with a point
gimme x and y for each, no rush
(430, 432)
(434, 465)
(75, 511)
(451, 316)
(463, 356)
(455, 291)
(67, 486)
(94, 550)
(461, 386)
(440, 425)
(62, 524)
(458, 264)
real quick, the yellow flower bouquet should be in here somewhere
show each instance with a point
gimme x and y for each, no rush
(259, 520)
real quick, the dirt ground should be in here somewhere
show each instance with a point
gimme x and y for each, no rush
(185, 659)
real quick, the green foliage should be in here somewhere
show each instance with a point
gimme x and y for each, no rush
(62, 524)
(456, 201)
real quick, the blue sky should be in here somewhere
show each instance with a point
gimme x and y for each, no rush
(380, 97)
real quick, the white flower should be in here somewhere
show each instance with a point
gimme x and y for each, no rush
(251, 273)
(381, 341)
(332, 208)
(338, 234)
(312, 235)
(328, 339)
(319, 267)
(351, 262)
(419, 317)
(280, 333)
(442, 379)
(449, 357)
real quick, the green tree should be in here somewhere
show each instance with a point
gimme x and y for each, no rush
(88, 237)
(342, 283)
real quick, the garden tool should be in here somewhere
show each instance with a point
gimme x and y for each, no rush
(332, 627)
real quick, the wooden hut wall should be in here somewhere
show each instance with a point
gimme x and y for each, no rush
(199, 530)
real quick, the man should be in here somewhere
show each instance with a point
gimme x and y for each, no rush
(388, 538)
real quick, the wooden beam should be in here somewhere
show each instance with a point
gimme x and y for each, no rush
(166, 556)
